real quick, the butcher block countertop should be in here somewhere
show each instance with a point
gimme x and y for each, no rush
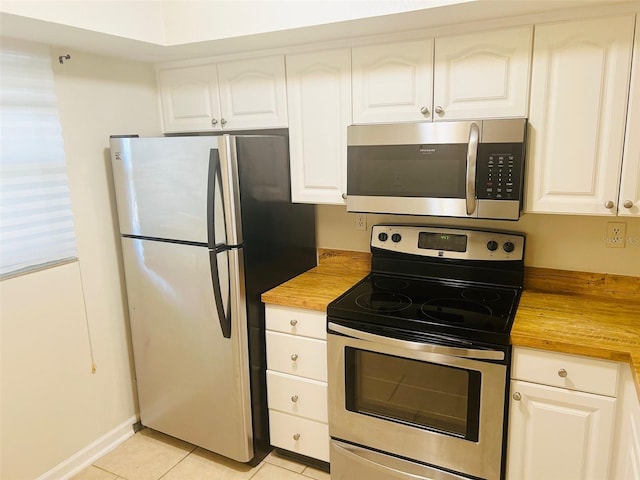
(591, 314)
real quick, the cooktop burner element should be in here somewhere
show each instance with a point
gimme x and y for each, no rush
(383, 302)
(418, 284)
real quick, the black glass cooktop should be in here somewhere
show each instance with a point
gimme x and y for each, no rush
(463, 309)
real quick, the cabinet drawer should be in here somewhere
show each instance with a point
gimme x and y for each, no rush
(299, 435)
(302, 356)
(296, 396)
(566, 371)
(296, 321)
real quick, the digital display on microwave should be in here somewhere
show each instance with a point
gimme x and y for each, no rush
(442, 241)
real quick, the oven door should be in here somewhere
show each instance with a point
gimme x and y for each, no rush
(436, 404)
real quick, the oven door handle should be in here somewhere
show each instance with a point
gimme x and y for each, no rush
(418, 346)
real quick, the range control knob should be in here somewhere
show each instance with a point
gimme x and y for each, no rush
(492, 245)
(508, 247)
(383, 237)
(396, 237)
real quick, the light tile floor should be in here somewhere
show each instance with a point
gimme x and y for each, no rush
(150, 455)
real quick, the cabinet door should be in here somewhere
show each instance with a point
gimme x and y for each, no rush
(189, 98)
(482, 75)
(629, 200)
(253, 93)
(393, 83)
(626, 446)
(319, 105)
(558, 434)
(579, 87)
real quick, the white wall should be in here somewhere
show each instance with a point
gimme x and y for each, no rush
(53, 320)
(139, 20)
(163, 21)
(563, 242)
(220, 19)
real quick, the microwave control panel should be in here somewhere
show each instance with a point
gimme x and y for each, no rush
(499, 171)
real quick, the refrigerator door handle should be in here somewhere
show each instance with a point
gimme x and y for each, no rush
(213, 182)
(230, 190)
(223, 317)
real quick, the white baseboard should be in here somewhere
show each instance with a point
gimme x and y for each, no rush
(85, 457)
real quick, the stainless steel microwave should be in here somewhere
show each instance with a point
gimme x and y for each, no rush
(469, 169)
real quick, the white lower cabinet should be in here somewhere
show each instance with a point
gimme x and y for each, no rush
(297, 380)
(561, 417)
(626, 445)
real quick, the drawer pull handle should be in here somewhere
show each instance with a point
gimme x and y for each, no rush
(294, 398)
(294, 357)
(293, 322)
(296, 437)
(562, 373)
(517, 397)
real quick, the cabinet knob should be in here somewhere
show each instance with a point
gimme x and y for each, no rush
(344, 196)
(293, 322)
(516, 396)
(627, 204)
(296, 437)
(439, 110)
(294, 357)
(214, 122)
(562, 373)
(223, 122)
(609, 204)
(294, 398)
(424, 111)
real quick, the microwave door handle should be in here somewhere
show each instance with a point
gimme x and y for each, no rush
(472, 157)
(418, 346)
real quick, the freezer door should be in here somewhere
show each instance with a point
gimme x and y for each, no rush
(192, 382)
(162, 186)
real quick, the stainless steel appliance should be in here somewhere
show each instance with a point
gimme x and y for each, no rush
(206, 225)
(453, 169)
(419, 356)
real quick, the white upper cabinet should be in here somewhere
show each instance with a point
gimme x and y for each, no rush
(253, 93)
(236, 95)
(471, 76)
(629, 198)
(319, 104)
(393, 83)
(482, 75)
(579, 88)
(189, 98)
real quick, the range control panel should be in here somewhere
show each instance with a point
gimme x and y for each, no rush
(499, 171)
(449, 242)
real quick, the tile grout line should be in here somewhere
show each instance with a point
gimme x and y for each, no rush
(107, 471)
(195, 447)
(260, 465)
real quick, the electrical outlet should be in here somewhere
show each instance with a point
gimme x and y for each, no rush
(361, 221)
(616, 234)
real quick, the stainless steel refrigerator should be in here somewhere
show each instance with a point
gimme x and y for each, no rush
(207, 225)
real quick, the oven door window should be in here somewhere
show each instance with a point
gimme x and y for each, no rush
(433, 171)
(424, 395)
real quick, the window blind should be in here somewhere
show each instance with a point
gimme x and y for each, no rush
(36, 222)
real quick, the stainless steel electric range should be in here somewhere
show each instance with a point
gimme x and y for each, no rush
(419, 356)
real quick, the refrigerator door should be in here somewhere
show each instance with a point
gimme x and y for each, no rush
(192, 382)
(162, 186)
